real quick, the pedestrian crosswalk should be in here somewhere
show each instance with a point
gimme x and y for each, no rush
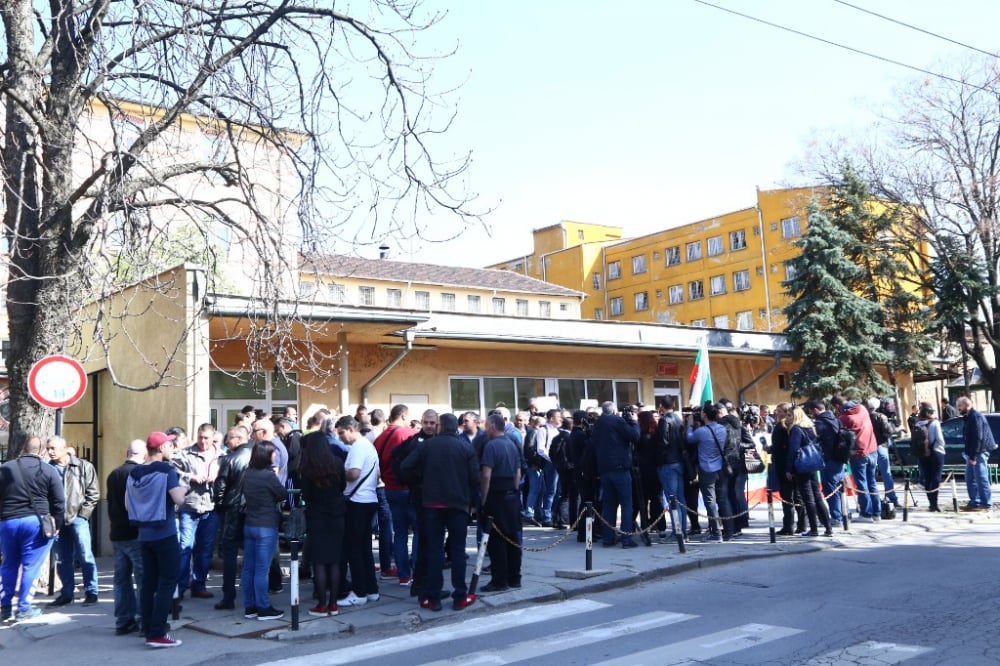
(639, 639)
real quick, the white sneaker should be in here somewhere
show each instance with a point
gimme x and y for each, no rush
(876, 519)
(352, 600)
(374, 597)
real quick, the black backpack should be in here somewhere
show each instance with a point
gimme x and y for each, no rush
(920, 440)
(559, 451)
(733, 454)
(880, 424)
(845, 446)
(398, 455)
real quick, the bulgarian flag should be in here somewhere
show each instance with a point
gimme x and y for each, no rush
(701, 378)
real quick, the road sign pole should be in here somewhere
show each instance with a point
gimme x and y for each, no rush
(59, 422)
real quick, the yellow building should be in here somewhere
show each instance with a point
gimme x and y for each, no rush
(723, 272)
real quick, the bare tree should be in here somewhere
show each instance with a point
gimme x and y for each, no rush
(140, 134)
(938, 157)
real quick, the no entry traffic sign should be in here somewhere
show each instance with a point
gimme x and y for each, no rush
(57, 381)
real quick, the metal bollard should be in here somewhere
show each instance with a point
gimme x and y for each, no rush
(954, 494)
(590, 535)
(845, 511)
(293, 547)
(906, 503)
(481, 554)
(770, 516)
(674, 523)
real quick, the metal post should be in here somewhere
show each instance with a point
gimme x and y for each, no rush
(674, 524)
(906, 503)
(845, 511)
(954, 494)
(52, 551)
(293, 546)
(770, 515)
(590, 535)
(481, 555)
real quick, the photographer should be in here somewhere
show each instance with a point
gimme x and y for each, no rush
(613, 438)
(713, 479)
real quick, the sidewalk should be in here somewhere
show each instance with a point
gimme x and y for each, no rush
(553, 569)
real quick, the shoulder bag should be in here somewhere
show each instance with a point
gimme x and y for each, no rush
(809, 459)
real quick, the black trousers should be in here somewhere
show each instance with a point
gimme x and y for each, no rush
(505, 559)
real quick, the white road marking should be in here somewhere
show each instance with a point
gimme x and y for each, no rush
(869, 652)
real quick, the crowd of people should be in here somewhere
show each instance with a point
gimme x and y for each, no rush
(419, 484)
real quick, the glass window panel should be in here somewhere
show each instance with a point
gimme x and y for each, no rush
(527, 388)
(600, 390)
(465, 394)
(571, 392)
(284, 386)
(223, 386)
(497, 389)
(627, 393)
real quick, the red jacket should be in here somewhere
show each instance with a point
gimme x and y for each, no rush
(858, 420)
(389, 439)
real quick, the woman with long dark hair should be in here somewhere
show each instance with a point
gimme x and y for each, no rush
(262, 494)
(322, 475)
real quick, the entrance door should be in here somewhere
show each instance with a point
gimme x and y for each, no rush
(223, 413)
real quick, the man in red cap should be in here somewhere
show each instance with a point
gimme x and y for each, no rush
(152, 492)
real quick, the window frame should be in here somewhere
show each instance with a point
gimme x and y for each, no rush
(740, 234)
(616, 306)
(615, 269)
(673, 255)
(692, 251)
(641, 301)
(638, 264)
(675, 294)
(736, 281)
(717, 285)
(692, 296)
(715, 247)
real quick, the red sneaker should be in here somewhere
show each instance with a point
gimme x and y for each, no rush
(391, 572)
(319, 611)
(162, 642)
(465, 601)
(332, 610)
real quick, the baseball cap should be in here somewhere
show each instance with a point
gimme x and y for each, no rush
(157, 439)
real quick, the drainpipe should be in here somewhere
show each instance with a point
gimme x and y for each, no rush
(763, 259)
(777, 362)
(408, 337)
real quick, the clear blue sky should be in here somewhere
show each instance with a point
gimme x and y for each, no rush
(651, 114)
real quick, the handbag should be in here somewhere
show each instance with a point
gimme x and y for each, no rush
(810, 457)
(295, 524)
(48, 522)
(752, 461)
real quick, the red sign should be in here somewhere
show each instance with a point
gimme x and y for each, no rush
(666, 369)
(57, 381)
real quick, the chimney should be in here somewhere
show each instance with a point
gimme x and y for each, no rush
(383, 251)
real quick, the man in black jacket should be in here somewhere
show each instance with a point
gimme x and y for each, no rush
(832, 475)
(125, 542)
(29, 488)
(228, 492)
(449, 468)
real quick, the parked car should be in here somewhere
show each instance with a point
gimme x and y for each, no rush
(954, 440)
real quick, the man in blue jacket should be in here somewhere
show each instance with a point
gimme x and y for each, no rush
(978, 444)
(832, 475)
(614, 439)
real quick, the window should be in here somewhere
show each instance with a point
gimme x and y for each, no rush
(564, 307)
(522, 307)
(741, 280)
(717, 284)
(714, 246)
(673, 255)
(694, 251)
(696, 290)
(366, 295)
(721, 321)
(790, 270)
(737, 240)
(422, 300)
(448, 302)
(617, 306)
(744, 320)
(614, 270)
(394, 298)
(472, 303)
(544, 309)
(675, 294)
(639, 264)
(579, 234)
(700, 323)
(597, 281)
(598, 314)
(338, 294)
(307, 289)
(790, 227)
(499, 305)
(641, 301)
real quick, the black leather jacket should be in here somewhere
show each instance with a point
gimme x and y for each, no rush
(229, 482)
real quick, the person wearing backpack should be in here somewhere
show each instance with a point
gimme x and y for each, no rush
(979, 443)
(832, 474)
(927, 441)
(854, 417)
(801, 433)
(884, 431)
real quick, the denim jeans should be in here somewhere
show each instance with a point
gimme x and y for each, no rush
(833, 475)
(160, 560)
(715, 494)
(456, 522)
(977, 481)
(863, 469)
(672, 481)
(74, 543)
(24, 547)
(542, 491)
(259, 546)
(386, 531)
(404, 518)
(196, 533)
(883, 469)
(616, 490)
(128, 563)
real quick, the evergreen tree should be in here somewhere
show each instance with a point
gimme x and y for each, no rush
(835, 331)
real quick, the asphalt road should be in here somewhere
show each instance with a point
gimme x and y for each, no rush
(932, 599)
